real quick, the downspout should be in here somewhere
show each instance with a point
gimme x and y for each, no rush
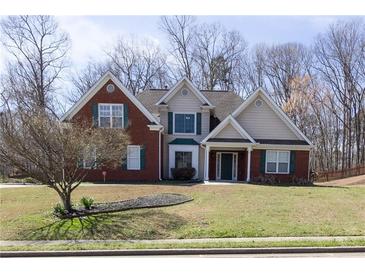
(159, 154)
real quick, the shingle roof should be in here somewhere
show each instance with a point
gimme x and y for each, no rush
(281, 142)
(225, 102)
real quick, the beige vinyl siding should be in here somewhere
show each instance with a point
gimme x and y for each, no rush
(228, 132)
(179, 103)
(263, 123)
(188, 103)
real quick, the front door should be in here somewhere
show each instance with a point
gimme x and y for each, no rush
(226, 166)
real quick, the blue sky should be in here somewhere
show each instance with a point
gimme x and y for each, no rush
(91, 35)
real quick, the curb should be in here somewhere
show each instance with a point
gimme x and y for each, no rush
(194, 251)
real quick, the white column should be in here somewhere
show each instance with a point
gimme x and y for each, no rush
(206, 163)
(249, 149)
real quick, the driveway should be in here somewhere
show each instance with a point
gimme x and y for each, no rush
(18, 185)
(350, 181)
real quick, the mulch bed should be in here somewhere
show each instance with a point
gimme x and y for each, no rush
(151, 201)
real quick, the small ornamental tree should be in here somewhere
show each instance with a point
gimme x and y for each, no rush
(49, 151)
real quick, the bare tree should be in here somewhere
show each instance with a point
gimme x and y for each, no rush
(284, 64)
(340, 63)
(49, 151)
(180, 32)
(138, 64)
(38, 50)
(219, 55)
(84, 79)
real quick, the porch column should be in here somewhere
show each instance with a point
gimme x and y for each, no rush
(206, 163)
(249, 149)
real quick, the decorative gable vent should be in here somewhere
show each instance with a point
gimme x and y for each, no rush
(184, 92)
(110, 88)
(258, 103)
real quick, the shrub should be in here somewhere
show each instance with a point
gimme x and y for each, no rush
(267, 180)
(87, 202)
(272, 180)
(59, 210)
(186, 173)
(300, 181)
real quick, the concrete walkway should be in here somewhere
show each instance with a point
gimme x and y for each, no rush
(177, 241)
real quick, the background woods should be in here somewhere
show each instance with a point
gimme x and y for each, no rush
(320, 86)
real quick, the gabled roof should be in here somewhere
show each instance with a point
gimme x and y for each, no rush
(275, 108)
(175, 88)
(95, 88)
(229, 120)
(225, 102)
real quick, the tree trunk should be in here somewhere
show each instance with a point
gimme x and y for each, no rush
(66, 200)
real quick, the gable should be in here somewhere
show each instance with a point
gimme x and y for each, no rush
(228, 132)
(175, 89)
(181, 103)
(102, 96)
(100, 87)
(228, 129)
(263, 122)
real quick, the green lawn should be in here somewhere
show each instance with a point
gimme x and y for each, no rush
(115, 246)
(217, 211)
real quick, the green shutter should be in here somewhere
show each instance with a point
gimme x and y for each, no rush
(125, 115)
(170, 123)
(80, 163)
(198, 123)
(292, 162)
(124, 161)
(95, 113)
(262, 161)
(143, 157)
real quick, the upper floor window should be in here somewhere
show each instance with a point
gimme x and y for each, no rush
(111, 115)
(277, 161)
(184, 123)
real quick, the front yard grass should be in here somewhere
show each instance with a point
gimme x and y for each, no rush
(216, 211)
(116, 246)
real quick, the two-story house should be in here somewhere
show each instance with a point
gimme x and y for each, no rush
(216, 132)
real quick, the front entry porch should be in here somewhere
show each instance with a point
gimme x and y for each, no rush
(227, 164)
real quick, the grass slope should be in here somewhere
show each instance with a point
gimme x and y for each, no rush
(217, 211)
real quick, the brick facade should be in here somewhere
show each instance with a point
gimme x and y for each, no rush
(301, 165)
(139, 134)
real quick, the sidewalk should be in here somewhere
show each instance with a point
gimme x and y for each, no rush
(172, 241)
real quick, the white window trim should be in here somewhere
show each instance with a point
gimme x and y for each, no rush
(234, 167)
(111, 113)
(184, 152)
(277, 162)
(84, 161)
(181, 133)
(191, 148)
(139, 157)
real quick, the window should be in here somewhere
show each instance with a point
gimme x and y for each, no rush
(277, 161)
(134, 158)
(184, 123)
(89, 158)
(183, 159)
(111, 115)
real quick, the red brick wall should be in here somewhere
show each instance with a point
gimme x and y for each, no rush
(212, 165)
(139, 135)
(301, 166)
(241, 166)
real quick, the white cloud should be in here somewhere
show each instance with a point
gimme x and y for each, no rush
(89, 40)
